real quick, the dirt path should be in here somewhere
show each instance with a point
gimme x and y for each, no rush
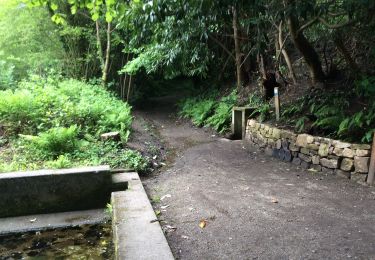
(255, 206)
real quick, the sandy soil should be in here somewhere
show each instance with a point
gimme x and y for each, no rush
(254, 206)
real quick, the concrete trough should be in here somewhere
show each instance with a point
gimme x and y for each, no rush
(48, 191)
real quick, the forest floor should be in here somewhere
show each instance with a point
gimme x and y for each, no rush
(253, 206)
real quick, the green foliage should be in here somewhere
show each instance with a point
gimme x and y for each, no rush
(54, 142)
(221, 118)
(6, 75)
(55, 123)
(262, 109)
(28, 39)
(43, 103)
(208, 111)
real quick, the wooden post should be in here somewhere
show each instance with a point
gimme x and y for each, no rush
(277, 103)
(371, 170)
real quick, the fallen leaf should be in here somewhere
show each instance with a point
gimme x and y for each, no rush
(157, 212)
(202, 223)
(185, 237)
(164, 207)
(274, 200)
(33, 220)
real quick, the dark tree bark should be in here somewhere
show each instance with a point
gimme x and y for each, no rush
(308, 52)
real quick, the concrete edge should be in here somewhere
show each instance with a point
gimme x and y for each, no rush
(136, 232)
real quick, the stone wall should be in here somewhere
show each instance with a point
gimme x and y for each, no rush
(312, 152)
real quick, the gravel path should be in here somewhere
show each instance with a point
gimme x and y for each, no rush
(254, 206)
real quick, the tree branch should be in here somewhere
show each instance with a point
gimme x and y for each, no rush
(222, 46)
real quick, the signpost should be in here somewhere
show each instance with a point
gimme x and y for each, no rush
(371, 170)
(277, 103)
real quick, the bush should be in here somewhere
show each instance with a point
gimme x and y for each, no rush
(208, 111)
(56, 123)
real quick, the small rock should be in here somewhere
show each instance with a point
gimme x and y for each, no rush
(361, 164)
(304, 139)
(296, 161)
(304, 157)
(113, 136)
(323, 149)
(305, 151)
(343, 174)
(329, 163)
(316, 167)
(346, 164)
(362, 153)
(341, 145)
(347, 152)
(315, 159)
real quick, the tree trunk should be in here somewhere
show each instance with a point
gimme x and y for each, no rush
(99, 45)
(107, 54)
(292, 75)
(304, 47)
(344, 51)
(237, 48)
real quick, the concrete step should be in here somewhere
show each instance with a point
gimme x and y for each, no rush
(136, 233)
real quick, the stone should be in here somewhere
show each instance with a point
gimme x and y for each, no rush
(293, 147)
(315, 159)
(288, 135)
(288, 156)
(343, 174)
(304, 139)
(338, 151)
(305, 165)
(358, 177)
(304, 157)
(314, 147)
(257, 126)
(305, 151)
(346, 164)
(361, 146)
(271, 142)
(275, 153)
(285, 145)
(361, 164)
(362, 153)
(276, 133)
(281, 154)
(278, 144)
(347, 152)
(316, 167)
(329, 163)
(251, 123)
(330, 150)
(333, 157)
(341, 145)
(296, 161)
(323, 149)
(113, 136)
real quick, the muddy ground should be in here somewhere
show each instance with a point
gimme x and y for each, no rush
(253, 206)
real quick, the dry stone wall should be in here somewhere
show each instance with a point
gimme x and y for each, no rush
(312, 152)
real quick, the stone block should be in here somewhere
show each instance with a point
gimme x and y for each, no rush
(338, 151)
(314, 147)
(112, 136)
(346, 164)
(285, 144)
(276, 133)
(278, 144)
(293, 147)
(251, 123)
(305, 151)
(343, 174)
(362, 153)
(361, 146)
(304, 157)
(329, 163)
(361, 164)
(268, 151)
(257, 126)
(304, 139)
(333, 157)
(296, 161)
(323, 149)
(347, 152)
(305, 165)
(315, 159)
(288, 134)
(341, 145)
(288, 156)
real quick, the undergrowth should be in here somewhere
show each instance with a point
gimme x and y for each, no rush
(56, 123)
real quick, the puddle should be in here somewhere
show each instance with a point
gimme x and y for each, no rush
(80, 242)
